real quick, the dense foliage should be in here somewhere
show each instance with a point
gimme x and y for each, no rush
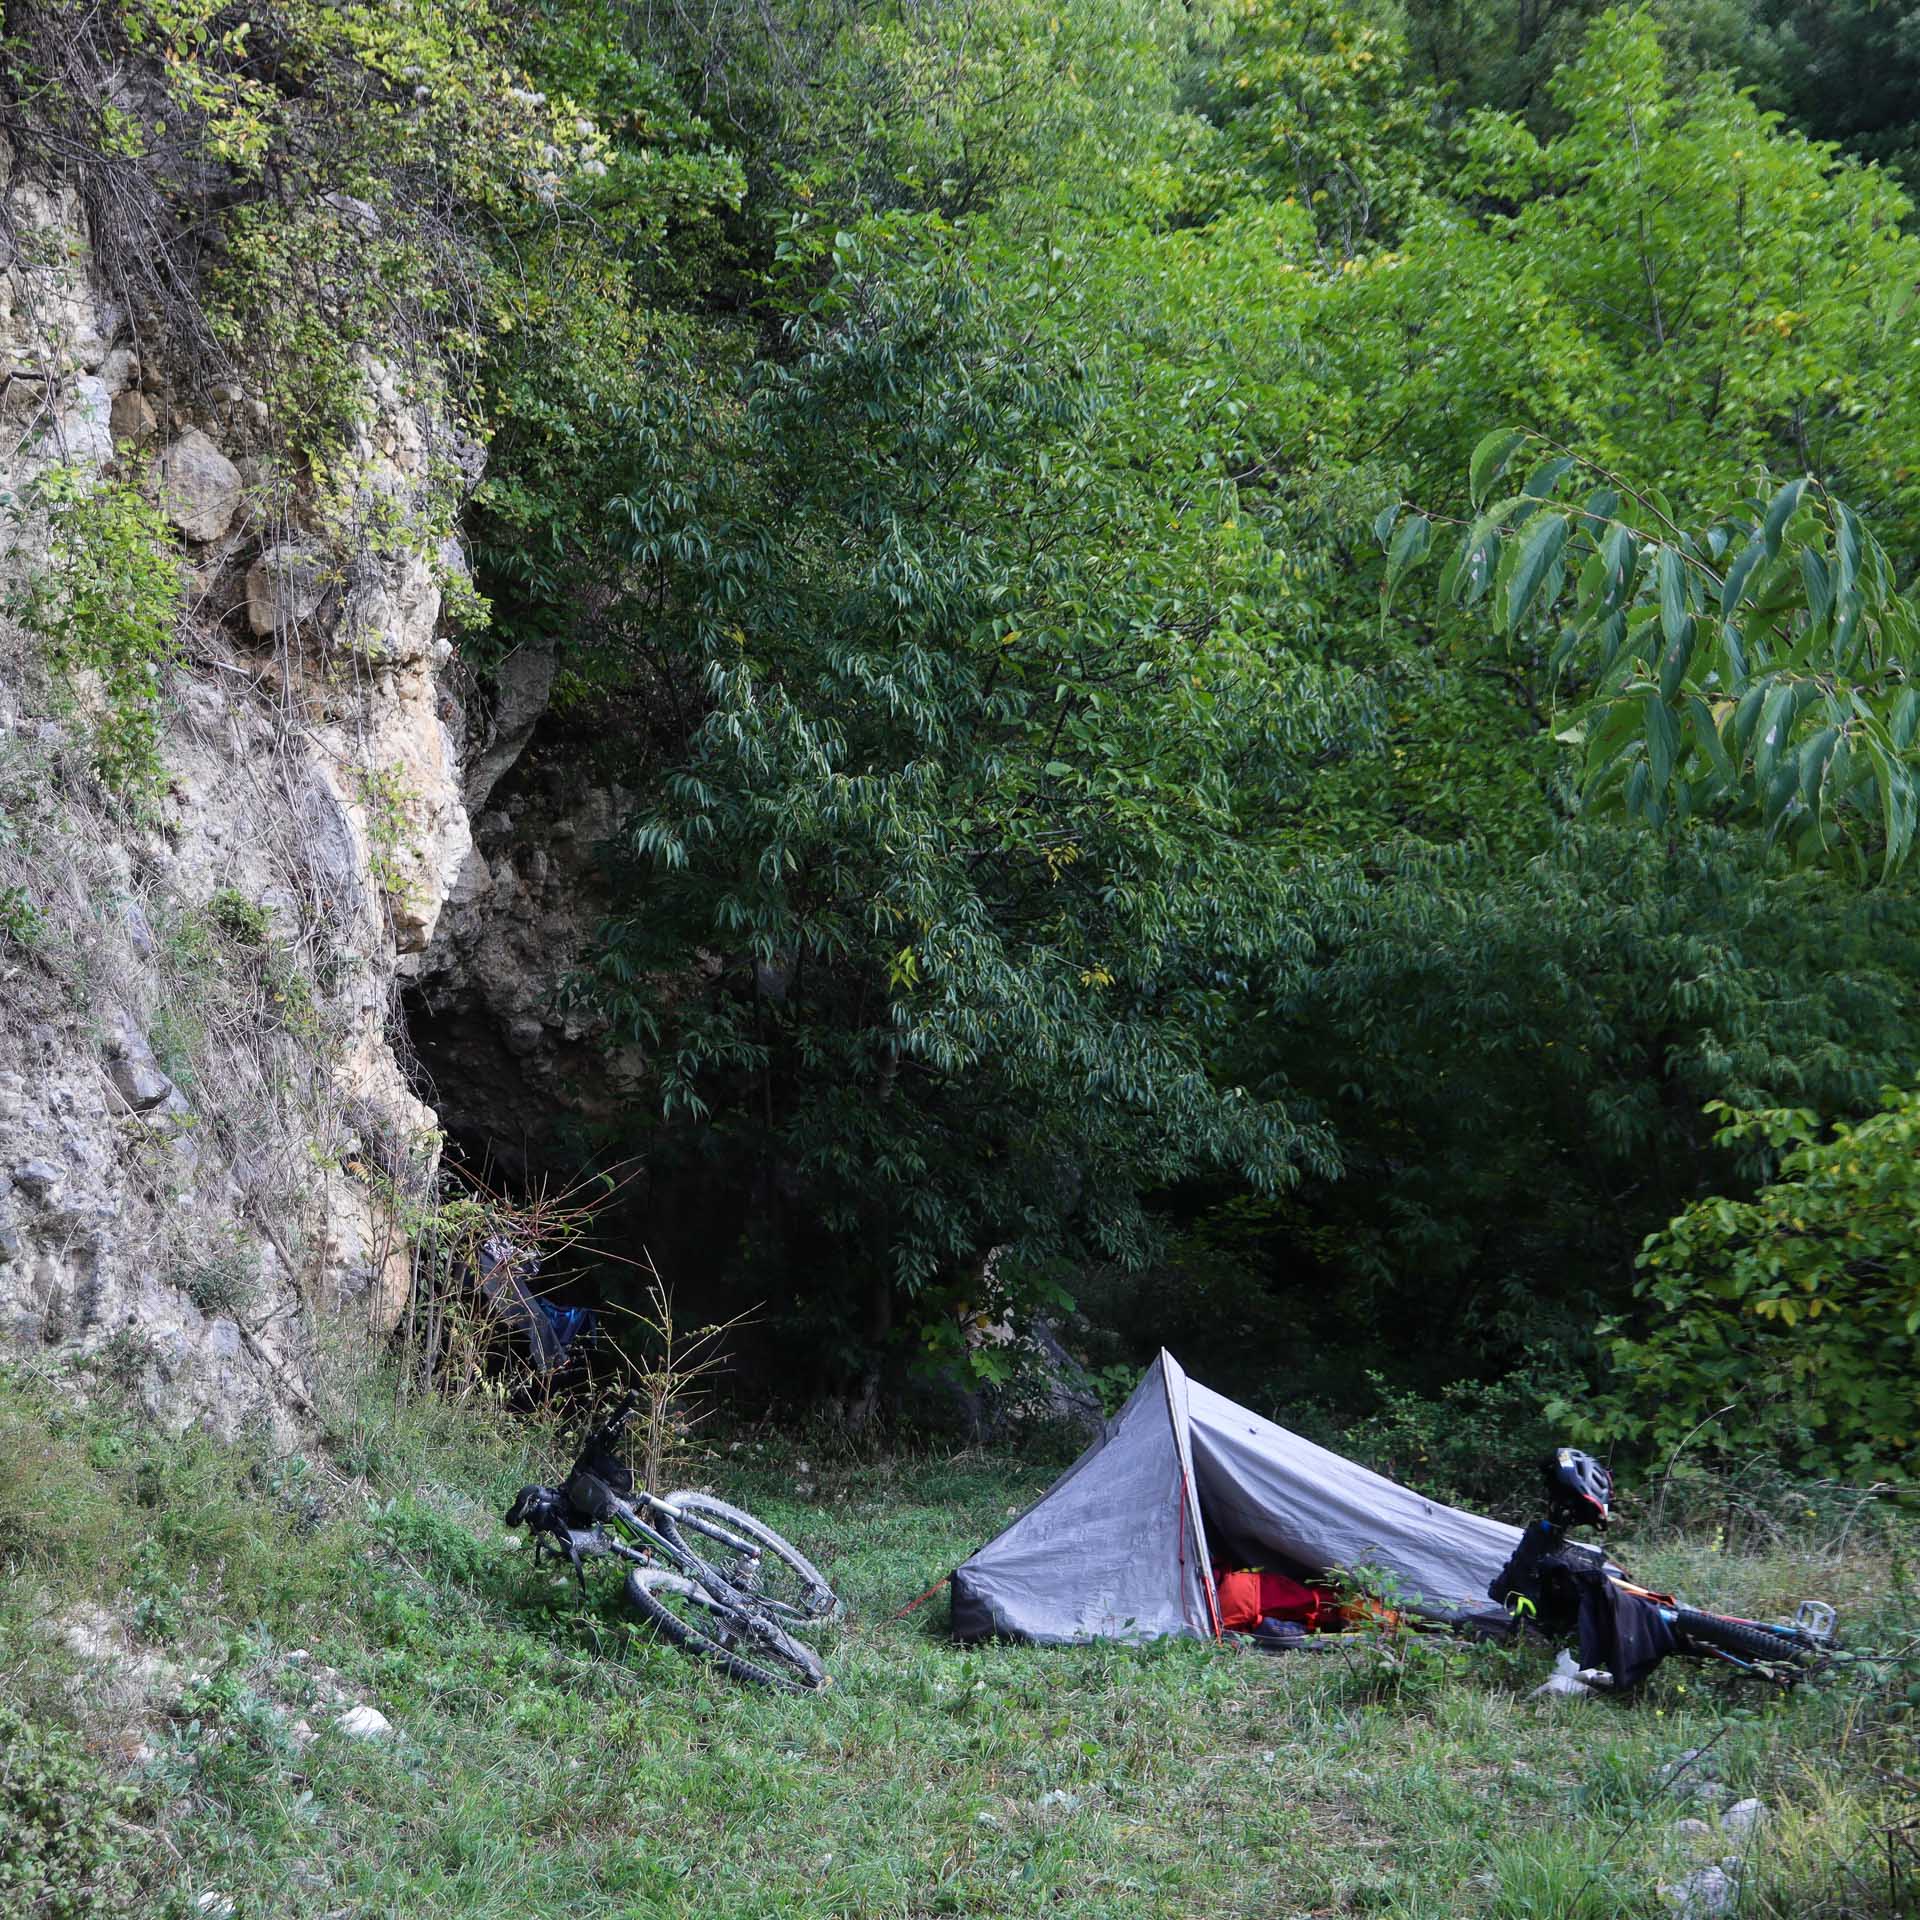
(974, 467)
(1796, 1314)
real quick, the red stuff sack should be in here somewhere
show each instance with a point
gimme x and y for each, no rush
(1248, 1597)
(1239, 1595)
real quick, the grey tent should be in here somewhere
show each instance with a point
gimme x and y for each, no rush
(1118, 1547)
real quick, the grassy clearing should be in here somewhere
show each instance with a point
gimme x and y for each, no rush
(548, 1761)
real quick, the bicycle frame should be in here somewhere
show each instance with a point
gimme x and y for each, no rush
(718, 1612)
(596, 1543)
(676, 1551)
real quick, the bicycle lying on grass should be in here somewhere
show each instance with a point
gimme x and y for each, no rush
(1562, 1585)
(711, 1579)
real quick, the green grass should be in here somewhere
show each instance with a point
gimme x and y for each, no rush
(554, 1762)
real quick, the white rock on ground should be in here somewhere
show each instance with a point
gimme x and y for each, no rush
(1743, 1817)
(365, 1723)
(1701, 1895)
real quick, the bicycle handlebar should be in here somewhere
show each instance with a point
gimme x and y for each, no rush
(611, 1427)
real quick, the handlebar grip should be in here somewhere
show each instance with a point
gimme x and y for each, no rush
(1518, 1575)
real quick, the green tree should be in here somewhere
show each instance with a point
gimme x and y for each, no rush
(1316, 101)
(1757, 669)
(974, 811)
(1845, 70)
(1689, 294)
(1790, 1321)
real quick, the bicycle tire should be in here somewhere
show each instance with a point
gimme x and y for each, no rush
(1744, 1639)
(816, 1599)
(768, 1659)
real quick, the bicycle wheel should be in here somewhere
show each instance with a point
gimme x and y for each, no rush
(784, 1580)
(1744, 1639)
(748, 1649)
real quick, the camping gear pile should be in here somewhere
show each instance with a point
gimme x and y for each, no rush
(546, 1332)
(1192, 1516)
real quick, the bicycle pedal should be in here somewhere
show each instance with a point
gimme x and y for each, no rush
(1817, 1619)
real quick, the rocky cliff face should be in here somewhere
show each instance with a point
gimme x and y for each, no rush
(209, 1144)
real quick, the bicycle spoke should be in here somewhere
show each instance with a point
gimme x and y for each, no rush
(750, 1555)
(750, 1649)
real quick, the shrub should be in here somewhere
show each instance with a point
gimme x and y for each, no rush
(1474, 1444)
(223, 1278)
(64, 1839)
(1788, 1324)
(20, 920)
(240, 919)
(106, 603)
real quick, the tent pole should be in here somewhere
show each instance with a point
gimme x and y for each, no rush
(1189, 1504)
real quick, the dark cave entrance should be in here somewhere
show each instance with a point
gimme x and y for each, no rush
(658, 1209)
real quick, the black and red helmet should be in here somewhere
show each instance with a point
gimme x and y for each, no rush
(1579, 1488)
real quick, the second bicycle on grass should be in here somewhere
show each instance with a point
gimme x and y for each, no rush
(1560, 1585)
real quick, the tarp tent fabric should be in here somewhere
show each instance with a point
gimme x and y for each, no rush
(1118, 1547)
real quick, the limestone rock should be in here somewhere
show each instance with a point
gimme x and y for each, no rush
(36, 1178)
(140, 1084)
(51, 319)
(365, 1723)
(200, 487)
(1702, 1895)
(132, 419)
(26, 400)
(355, 213)
(84, 427)
(286, 585)
(390, 612)
(522, 683)
(332, 799)
(1743, 1817)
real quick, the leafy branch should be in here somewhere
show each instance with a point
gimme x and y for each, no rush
(1759, 669)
